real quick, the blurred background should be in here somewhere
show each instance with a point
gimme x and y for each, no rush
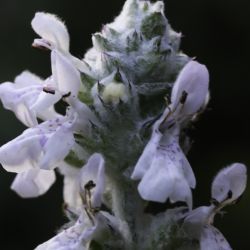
(217, 33)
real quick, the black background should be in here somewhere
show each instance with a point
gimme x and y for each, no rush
(216, 32)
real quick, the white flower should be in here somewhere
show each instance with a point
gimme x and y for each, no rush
(92, 171)
(79, 236)
(192, 84)
(41, 146)
(91, 221)
(52, 30)
(21, 95)
(227, 187)
(55, 37)
(229, 184)
(65, 81)
(169, 174)
(35, 153)
(76, 237)
(65, 68)
(31, 97)
(163, 168)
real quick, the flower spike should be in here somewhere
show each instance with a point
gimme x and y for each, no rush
(110, 105)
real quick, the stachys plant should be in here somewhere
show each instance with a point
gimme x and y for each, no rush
(120, 143)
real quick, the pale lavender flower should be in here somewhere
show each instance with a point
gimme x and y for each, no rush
(163, 168)
(227, 187)
(55, 37)
(91, 220)
(38, 148)
(21, 97)
(41, 147)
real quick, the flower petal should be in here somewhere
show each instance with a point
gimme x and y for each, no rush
(229, 183)
(27, 78)
(81, 65)
(193, 80)
(196, 219)
(170, 143)
(56, 149)
(65, 75)
(27, 99)
(44, 102)
(41, 146)
(85, 116)
(76, 237)
(49, 114)
(94, 171)
(157, 183)
(146, 158)
(71, 187)
(33, 183)
(19, 96)
(164, 169)
(71, 192)
(212, 238)
(164, 180)
(52, 29)
(181, 192)
(20, 154)
(25, 115)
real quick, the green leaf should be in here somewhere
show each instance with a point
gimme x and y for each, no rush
(133, 42)
(85, 97)
(153, 25)
(94, 245)
(101, 43)
(73, 160)
(87, 81)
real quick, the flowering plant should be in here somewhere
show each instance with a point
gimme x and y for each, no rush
(120, 144)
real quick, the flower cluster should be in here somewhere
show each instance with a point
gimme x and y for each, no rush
(120, 143)
(40, 148)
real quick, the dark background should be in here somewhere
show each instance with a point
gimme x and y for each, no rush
(216, 32)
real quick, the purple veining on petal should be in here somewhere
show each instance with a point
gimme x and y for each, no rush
(43, 140)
